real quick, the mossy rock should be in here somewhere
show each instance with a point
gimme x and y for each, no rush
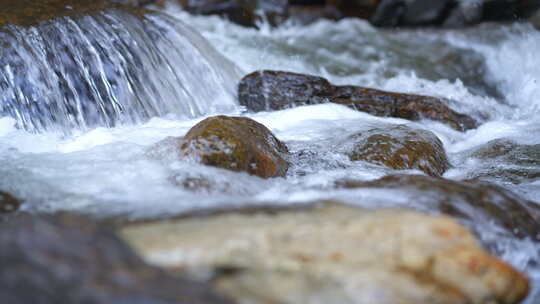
(400, 148)
(31, 12)
(238, 144)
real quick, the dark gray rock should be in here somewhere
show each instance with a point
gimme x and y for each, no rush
(8, 203)
(275, 90)
(67, 259)
(469, 201)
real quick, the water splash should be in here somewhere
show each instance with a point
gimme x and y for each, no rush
(107, 69)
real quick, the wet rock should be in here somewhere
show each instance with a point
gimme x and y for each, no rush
(30, 12)
(535, 20)
(471, 201)
(407, 106)
(311, 13)
(356, 8)
(507, 10)
(69, 259)
(451, 13)
(243, 12)
(8, 203)
(238, 144)
(507, 161)
(275, 90)
(383, 13)
(411, 12)
(332, 254)
(508, 151)
(399, 148)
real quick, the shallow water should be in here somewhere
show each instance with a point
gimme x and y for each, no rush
(489, 72)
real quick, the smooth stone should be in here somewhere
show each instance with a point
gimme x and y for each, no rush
(57, 259)
(399, 148)
(332, 253)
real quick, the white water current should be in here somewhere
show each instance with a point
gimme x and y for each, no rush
(490, 72)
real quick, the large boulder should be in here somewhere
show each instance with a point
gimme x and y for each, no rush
(332, 254)
(400, 148)
(276, 90)
(235, 143)
(8, 203)
(471, 201)
(68, 259)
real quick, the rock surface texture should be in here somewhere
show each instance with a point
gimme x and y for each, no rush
(68, 259)
(8, 203)
(470, 201)
(334, 254)
(399, 148)
(30, 12)
(236, 143)
(276, 90)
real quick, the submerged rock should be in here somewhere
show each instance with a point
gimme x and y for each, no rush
(8, 203)
(276, 90)
(238, 144)
(470, 201)
(399, 148)
(69, 259)
(505, 160)
(508, 151)
(333, 254)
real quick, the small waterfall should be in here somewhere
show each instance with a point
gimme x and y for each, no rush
(109, 68)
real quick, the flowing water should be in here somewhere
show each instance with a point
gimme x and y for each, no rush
(103, 89)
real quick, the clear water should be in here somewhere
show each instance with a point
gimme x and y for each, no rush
(489, 72)
(82, 72)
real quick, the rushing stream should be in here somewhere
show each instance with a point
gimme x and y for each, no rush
(95, 157)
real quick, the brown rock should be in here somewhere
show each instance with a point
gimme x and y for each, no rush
(333, 254)
(469, 201)
(8, 203)
(306, 14)
(399, 148)
(31, 12)
(238, 144)
(356, 8)
(243, 12)
(275, 90)
(67, 259)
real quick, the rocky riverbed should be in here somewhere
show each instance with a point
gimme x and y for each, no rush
(269, 152)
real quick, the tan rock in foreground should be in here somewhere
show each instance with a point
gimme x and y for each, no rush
(333, 254)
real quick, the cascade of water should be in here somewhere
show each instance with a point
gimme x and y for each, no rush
(109, 68)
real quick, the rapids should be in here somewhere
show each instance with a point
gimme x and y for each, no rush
(97, 159)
